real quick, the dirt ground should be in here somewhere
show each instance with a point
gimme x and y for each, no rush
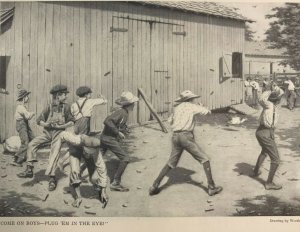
(233, 151)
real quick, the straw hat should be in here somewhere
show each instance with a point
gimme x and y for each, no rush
(186, 95)
(126, 98)
(22, 93)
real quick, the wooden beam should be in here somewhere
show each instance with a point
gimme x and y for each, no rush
(152, 110)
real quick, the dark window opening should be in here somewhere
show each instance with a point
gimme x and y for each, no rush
(3, 60)
(237, 65)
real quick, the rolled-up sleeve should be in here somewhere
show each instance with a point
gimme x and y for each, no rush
(198, 109)
(97, 101)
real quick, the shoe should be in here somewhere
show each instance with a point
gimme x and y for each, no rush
(28, 173)
(272, 186)
(153, 190)
(214, 190)
(118, 187)
(52, 184)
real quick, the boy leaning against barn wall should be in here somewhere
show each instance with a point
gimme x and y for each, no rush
(22, 117)
(55, 118)
(183, 123)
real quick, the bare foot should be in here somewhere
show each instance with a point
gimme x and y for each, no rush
(103, 198)
(77, 202)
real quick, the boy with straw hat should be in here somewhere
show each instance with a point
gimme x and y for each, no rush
(114, 129)
(183, 123)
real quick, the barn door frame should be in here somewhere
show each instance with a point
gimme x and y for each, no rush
(166, 58)
(149, 25)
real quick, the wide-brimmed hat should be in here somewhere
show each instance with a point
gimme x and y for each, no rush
(59, 89)
(82, 90)
(186, 95)
(22, 93)
(126, 98)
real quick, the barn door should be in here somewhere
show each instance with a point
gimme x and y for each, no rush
(166, 65)
(131, 62)
(147, 55)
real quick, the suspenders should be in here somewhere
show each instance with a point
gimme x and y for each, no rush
(80, 107)
(273, 116)
(51, 110)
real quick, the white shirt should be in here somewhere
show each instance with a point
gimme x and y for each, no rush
(266, 117)
(87, 107)
(247, 83)
(183, 117)
(255, 85)
(291, 85)
(23, 113)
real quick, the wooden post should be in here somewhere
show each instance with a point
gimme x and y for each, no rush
(152, 110)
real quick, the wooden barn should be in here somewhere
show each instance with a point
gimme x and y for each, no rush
(161, 47)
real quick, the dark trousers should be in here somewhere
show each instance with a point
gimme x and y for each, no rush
(291, 99)
(255, 97)
(26, 135)
(112, 144)
(265, 137)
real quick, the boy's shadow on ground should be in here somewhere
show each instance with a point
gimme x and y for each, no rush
(244, 169)
(286, 107)
(181, 175)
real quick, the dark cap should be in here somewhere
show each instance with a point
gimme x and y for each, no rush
(59, 89)
(275, 96)
(82, 90)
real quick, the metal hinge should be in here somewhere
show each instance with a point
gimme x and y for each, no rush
(179, 33)
(112, 29)
(161, 71)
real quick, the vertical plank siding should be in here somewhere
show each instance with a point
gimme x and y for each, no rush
(72, 43)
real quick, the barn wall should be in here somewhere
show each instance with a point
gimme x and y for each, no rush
(71, 43)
